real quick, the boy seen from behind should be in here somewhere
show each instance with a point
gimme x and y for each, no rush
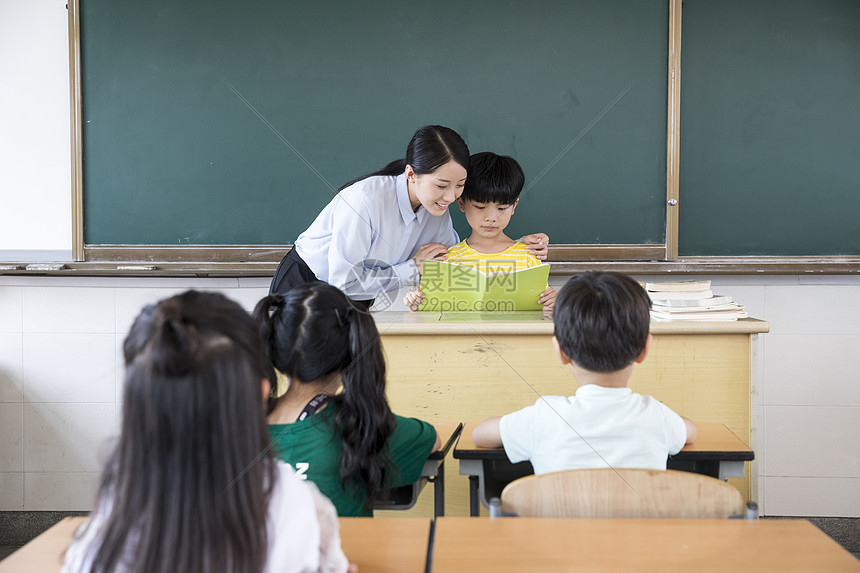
(489, 198)
(601, 332)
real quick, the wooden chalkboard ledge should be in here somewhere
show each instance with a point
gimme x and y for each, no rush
(245, 268)
(720, 266)
(274, 253)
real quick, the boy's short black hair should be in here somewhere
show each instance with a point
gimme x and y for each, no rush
(493, 178)
(602, 320)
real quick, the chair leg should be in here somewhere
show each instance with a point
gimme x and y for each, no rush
(752, 510)
(474, 503)
(439, 491)
(495, 508)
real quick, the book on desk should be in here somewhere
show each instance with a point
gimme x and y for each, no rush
(691, 300)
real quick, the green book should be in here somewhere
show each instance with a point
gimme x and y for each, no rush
(449, 287)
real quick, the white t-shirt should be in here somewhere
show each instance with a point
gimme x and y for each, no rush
(302, 527)
(599, 427)
(363, 241)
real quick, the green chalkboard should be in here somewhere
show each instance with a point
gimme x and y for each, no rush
(222, 123)
(770, 128)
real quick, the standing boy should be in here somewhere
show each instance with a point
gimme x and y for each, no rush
(601, 331)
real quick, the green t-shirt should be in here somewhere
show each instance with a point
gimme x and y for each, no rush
(313, 450)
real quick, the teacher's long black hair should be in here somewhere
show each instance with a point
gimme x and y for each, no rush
(314, 331)
(188, 484)
(431, 147)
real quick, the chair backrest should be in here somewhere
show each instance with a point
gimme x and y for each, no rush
(621, 493)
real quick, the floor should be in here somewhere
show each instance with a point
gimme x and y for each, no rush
(6, 550)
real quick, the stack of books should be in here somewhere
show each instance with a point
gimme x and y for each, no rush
(691, 300)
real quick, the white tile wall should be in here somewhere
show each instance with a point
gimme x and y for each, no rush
(12, 443)
(11, 308)
(11, 491)
(69, 310)
(821, 370)
(118, 413)
(813, 441)
(828, 280)
(813, 310)
(11, 367)
(761, 456)
(60, 491)
(11, 399)
(60, 353)
(247, 297)
(810, 450)
(813, 497)
(260, 283)
(67, 437)
(130, 301)
(70, 367)
(119, 373)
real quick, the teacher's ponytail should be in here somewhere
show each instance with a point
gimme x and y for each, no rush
(431, 147)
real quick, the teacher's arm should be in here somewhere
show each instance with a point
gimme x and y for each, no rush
(352, 267)
(538, 244)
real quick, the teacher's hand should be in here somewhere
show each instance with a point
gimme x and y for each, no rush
(537, 244)
(413, 299)
(434, 251)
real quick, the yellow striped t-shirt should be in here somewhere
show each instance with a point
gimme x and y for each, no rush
(514, 258)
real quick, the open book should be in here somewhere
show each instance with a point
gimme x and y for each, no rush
(449, 287)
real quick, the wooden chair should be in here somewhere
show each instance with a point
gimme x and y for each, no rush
(622, 493)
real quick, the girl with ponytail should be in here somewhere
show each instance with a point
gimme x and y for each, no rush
(347, 442)
(375, 235)
(189, 486)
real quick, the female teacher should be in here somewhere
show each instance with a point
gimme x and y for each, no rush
(374, 236)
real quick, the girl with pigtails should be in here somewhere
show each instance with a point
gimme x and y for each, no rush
(332, 424)
(190, 485)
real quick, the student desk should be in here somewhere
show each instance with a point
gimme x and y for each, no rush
(658, 545)
(405, 497)
(471, 366)
(377, 545)
(382, 545)
(717, 452)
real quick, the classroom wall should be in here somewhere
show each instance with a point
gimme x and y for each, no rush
(35, 197)
(60, 365)
(61, 374)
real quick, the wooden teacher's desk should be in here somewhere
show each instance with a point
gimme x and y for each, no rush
(717, 452)
(658, 545)
(473, 366)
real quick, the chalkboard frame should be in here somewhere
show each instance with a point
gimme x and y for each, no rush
(94, 253)
(257, 259)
